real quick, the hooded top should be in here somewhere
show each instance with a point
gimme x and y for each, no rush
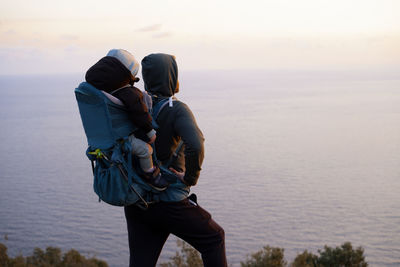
(108, 75)
(127, 59)
(160, 75)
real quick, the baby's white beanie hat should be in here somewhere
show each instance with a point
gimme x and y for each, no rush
(126, 58)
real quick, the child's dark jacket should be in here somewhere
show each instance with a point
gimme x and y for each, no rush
(108, 75)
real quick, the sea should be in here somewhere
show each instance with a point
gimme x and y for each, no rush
(293, 159)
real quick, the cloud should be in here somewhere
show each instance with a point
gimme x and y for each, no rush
(71, 49)
(11, 32)
(69, 37)
(162, 35)
(45, 60)
(150, 28)
(14, 60)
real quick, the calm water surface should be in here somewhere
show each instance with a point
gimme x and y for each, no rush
(293, 160)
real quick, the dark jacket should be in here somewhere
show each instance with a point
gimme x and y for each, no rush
(108, 75)
(160, 75)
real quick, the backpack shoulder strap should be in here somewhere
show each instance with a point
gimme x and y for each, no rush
(156, 109)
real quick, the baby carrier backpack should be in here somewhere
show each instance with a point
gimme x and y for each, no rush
(107, 127)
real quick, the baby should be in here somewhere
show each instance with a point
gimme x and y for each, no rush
(116, 74)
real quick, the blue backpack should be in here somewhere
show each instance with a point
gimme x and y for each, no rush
(107, 127)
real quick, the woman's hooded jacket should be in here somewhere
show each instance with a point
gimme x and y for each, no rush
(160, 75)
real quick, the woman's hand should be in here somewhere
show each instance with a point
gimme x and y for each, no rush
(180, 175)
(152, 139)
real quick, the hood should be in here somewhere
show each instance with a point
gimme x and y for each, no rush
(160, 74)
(108, 74)
(126, 58)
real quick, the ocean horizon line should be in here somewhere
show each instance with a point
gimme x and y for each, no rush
(367, 73)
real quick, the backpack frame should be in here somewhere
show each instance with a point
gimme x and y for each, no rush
(107, 127)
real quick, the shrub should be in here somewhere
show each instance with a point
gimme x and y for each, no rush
(52, 257)
(342, 256)
(305, 259)
(3, 255)
(267, 257)
(187, 257)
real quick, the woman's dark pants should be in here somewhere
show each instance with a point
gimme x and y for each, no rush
(148, 230)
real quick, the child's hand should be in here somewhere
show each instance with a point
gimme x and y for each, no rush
(152, 139)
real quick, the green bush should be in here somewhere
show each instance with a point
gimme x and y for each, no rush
(343, 256)
(305, 259)
(268, 256)
(52, 257)
(187, 257)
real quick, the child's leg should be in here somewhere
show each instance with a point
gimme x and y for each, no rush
(152, 174)
(144, 152)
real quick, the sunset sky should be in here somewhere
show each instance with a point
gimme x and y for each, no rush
(47, 36)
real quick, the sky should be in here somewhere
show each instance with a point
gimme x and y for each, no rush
(50, 36)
